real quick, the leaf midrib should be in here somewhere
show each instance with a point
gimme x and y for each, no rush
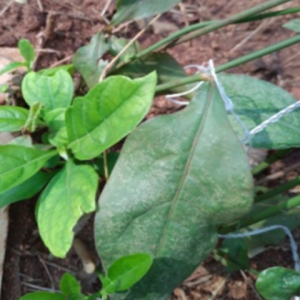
(161, 243)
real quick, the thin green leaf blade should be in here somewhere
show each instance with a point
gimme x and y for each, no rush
(42, 296)
(52, 91)
(126, 271)
(139, 9)
(26, 189)
(256, 101)
(27, 51)
(108, 113)
(12, 118)
(293, 25)
(176, 180)
(278, 283)
(69, 195)
(87, 59)
(19, 163)
(12, 66)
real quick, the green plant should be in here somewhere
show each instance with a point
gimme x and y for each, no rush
(178, 182)
(121, 275)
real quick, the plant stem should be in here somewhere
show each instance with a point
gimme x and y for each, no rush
(270, 160)
(222, 23)
(106, 175)
(197, 26)
(234, 63)
(265, 214)
(280, 189)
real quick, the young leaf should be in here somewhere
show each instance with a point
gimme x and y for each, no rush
(125, 272)
(12, 66)
(108, 113)
(293, 25)
(254, 102)
(69, 195)
(42, 296)
(18, 163)
(176, 180)
(52, 91)
(12, 118)
(69, 286)
(26, 189)
(27, 51)
(139, 9)
(33, 118)
(87, 59)
(278, 283)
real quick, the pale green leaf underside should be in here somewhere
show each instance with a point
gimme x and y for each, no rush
(139, 9)
(278, 283)
(87, 59)
(12, 118)
(69, 195)
(108, 113)
(52, 91)
(254, 102)
(177, 178)
(293, 25)
(18, 163)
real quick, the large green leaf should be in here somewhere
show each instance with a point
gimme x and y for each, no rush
(254, 102)
(278, 283)
(125, 272)
(178, 177)
(26, 189)
(52, 91)
(108, 113)
(69, 195)
(166, 67)
(18, 163)
(12, 118)
(87, 59)
(139, 9)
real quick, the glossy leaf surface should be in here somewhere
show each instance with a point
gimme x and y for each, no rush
(278, 283)
(18, 163)
(108, 113)
(254, 102)
(125, 272)
(69, 195)
(176, 180)
(52, 91)
(87, 59)
(12, 118)
(139, 9)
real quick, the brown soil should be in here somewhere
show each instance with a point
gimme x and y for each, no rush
(69, 24)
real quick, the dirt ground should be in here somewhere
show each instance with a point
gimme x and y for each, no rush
(58, 28)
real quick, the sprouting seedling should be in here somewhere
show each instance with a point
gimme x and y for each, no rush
(27, 51)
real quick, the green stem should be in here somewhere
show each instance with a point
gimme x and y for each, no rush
(222, 23)
(265, 214)
(280, 189)
(234, 63)
(197, 26)
(270, 160)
